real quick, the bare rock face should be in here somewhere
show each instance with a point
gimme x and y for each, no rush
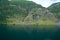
(40, 14)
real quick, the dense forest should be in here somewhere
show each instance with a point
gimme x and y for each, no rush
(21, 12)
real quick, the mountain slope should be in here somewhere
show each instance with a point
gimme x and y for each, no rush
(27, 12)
(18, 10)
(55, 8)
(43, 14)
(40, 15)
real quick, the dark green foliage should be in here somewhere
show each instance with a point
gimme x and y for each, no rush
(22, 7)
(3, 10)
(55, 8)
(17, 7)
(27, 5)
(16, 10)
(19, 0)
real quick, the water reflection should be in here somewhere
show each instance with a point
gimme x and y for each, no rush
(29, 32)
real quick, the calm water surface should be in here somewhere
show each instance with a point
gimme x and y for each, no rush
(29, 32)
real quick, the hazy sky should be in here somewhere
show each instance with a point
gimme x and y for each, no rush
(45, 3)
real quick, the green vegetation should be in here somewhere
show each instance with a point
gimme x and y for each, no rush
(3, 10)
(55, 9)
(23, 11)
(26, 20)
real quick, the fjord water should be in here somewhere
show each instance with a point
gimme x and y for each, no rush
(29, 32)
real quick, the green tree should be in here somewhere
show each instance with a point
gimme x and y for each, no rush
(55, 9)
(3, 10)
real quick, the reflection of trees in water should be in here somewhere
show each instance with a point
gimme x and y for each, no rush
(27, 33)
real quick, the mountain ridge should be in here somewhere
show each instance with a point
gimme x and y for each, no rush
(29, 12)
(55, 9)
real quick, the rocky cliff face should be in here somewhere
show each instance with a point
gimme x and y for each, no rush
(40, 14)
(19, 10)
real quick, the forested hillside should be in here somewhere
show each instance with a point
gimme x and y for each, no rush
(18, 12)
(55, 8)
(4, 5)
